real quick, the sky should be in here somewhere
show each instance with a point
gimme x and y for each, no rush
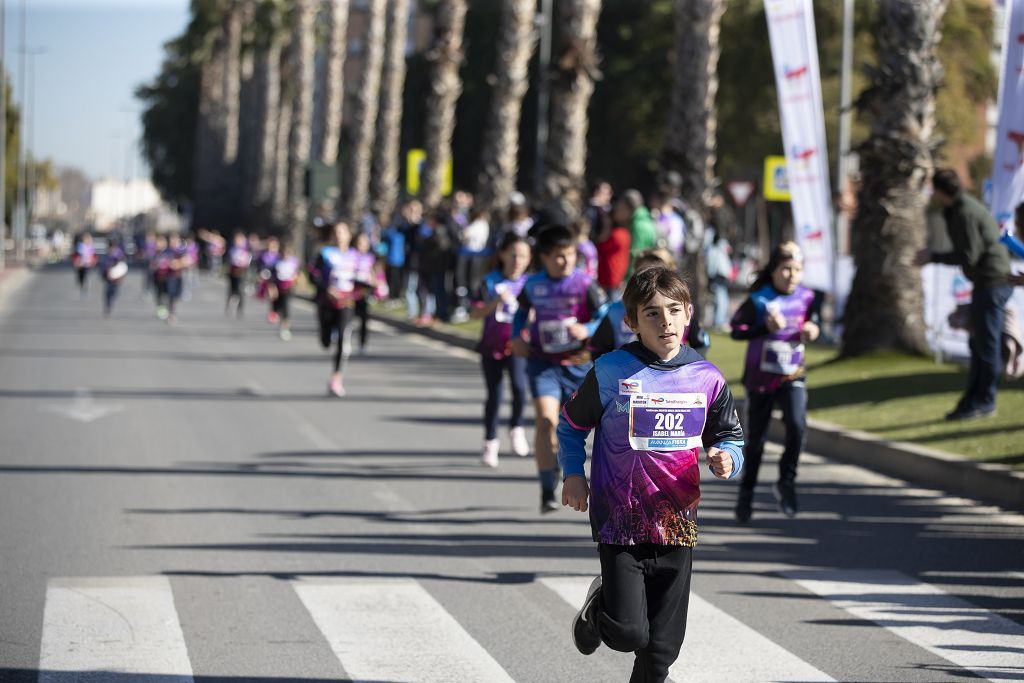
(92, 56)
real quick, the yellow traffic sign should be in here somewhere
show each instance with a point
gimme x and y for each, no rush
(414, 161)
(776, 179)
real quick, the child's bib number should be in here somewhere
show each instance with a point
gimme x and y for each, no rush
(343, 279)
(666, 422)
(285, 270)
(554, 335)
(782, 357)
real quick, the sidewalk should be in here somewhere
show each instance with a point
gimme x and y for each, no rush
(996, 484)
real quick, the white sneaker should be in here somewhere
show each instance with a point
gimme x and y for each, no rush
(285, 334)
(520, 444)
(489, 456)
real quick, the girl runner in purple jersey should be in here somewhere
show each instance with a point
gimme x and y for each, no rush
(264, 267)
(777, 318)
(236, 261)
(370, 276)
(83, 258)
(496, 303)
(114, 268)
(335, 275)
(282, 277)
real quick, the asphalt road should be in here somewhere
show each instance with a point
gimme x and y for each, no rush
(186, 504)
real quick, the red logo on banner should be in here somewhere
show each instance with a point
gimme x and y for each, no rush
(795, 73)
(1017, 138)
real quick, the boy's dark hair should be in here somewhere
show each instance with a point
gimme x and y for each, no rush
(645, 283)
(555, 237)
(947, 182)
(509, 239)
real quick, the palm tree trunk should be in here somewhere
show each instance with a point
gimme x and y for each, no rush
(250, 117)
(301, 120)
(575, 70)
(279, 206)
(232, 78)
(445, 88)
(357, 177)
(691, 136)
(384, 188)
(886, 305)
(500, 156)
(327, 124)
(268, 77)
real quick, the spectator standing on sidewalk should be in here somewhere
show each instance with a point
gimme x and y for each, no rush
(985, 261)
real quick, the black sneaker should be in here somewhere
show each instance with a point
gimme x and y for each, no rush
(585, 633)
(548, 503)
(743, 507)
(785, 494)
(961, 414)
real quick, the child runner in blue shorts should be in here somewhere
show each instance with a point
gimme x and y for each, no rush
(496, 303)
(567, 306)
(653, 403)
(777, 318)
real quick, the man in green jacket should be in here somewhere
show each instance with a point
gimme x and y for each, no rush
(986, 263)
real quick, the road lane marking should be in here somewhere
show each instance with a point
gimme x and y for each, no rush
(753, 656)
(104, 628)
(951, 628)
(83, 408)
(395, 631)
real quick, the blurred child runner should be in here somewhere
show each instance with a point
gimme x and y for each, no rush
(83, 258)
(614, 330)
(283, 274)
(496, 302)
(178, 260)
(373, 281)
(334, 274)
(587, 252)
(567, 307)
(114, 269)
(653, 403)
(264, 267)
(160, 269)
(237, 259)
(777, 318)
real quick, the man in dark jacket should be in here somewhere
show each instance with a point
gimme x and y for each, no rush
(986, 263)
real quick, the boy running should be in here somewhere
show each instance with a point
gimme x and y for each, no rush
(654, 403)
(568, 306)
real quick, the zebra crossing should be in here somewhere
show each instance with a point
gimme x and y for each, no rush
(107, 629)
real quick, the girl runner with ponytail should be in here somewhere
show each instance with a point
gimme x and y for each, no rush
(777, 318)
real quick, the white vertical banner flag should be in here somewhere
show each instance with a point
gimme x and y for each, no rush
(1008, 162)
(797, 80)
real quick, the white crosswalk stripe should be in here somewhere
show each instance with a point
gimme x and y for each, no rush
(395, 631)
(971, 637)
(99, 629)
(754, 658)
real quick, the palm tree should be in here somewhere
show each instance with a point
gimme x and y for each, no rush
(269, 42)
(367, 101)
(886, 305)
(301, 119)
(217, 125)
(384, 183)
(565, 162)
(500, 156)
(445, 88)
(689, 153)
(280, 173)
(327, 122)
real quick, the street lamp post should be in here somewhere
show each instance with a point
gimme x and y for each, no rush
(845, 116)
(30, 120)
(18, 216)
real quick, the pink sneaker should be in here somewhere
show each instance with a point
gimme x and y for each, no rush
(334, 387)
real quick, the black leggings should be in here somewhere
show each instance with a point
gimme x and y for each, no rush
(363, 313)
(235, 290)
(280, 305)
(494, 373)
(336, 319)
(81, 272)
(792, 400)
(645, 595)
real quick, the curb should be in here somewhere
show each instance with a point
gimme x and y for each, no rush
(992, 483)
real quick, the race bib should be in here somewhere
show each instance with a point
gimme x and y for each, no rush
(505, 311)
(241, 259)
(782, 357)
(554, 335)
(343, 279)
(666, 422)
(117, 271)
(285, 270)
